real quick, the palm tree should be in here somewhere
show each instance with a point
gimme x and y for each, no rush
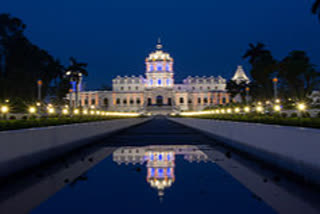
(75, 72)
(254, 52)
(316, 8)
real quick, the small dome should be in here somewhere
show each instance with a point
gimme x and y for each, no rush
(159, 54)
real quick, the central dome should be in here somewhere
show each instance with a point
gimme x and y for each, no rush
(159, 54)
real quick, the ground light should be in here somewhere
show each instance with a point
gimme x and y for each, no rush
(32, 110)
(65, 111)
(92, 112)
(51, 110)
(76, 111)
(237, 110)
(229, 111)
(277, 100)
(301, 106)
(85, 112)
(223, 111)
(277, 108)
(259, 109)
(247, 109)
(4, 109)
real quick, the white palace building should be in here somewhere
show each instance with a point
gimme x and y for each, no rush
(157, 90)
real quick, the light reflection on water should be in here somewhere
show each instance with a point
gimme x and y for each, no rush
(161, 178)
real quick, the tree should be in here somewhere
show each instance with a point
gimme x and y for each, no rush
(297, 75)
(263, 67)
(316, 8)
(237, 88)
(23, 63)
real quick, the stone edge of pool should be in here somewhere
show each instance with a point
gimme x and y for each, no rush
(22, 149)
(292, 149)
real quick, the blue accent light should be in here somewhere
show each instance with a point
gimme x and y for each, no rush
(168, 171)
(74, 85)
(151, 68)
(151, 157)
(159, 68)
(159, 82)
(168, 81)
(167, 67)
(160, 156)
(160, 172)
(168, 157)
(151, 82)
(152, 172)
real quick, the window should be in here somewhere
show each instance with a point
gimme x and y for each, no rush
(181, 100)
(179, 88)
(93, 101)
(138, 101)
(209, 88)
(167, 67)
(118, 101)
(224, 100)
(129, 88)
(86, 102)
(159, 81)
(137, 88)
(168, 81)
(205, 100)
(131, 102)
(159, 68)
(125, 101)
(200, 87)
(106, 102)
(151, 82)
(193, 88)
(199, 100)
(121, 88)
(189, 101)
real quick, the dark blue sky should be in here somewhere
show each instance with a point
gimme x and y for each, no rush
(204, 37)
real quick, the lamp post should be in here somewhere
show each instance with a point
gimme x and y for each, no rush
(275, 90)
(247, 94)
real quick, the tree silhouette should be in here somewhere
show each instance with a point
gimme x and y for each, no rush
(316, 8)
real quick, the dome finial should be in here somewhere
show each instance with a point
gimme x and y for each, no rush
(159, 45)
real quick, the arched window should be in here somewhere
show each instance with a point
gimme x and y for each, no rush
(181, 100)
(199, 100)
(118, 101)
(159, 81)
(189, 101)
(168, 81)
(224, 100)
(167, 67)
(124, 101)
(93, 101)
(159, 68)
(131, 101)
(205, 100)
(138, 101)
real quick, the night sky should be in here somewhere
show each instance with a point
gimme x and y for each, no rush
(204, 37)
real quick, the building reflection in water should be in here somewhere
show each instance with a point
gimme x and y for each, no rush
(160, 161)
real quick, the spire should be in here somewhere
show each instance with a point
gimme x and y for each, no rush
(159, 45)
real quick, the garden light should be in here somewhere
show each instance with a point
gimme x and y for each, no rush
(277, 100)
(65, 111)
(302, 107)
(38, 104)
(76, 111)
(51, 110)
(4, 109)
(237, 110)
(85, 112)
(277, 108)
(259, 109)
(92, 112)
(32, 110)
(247, 109)
(229, 111)
(223, 111)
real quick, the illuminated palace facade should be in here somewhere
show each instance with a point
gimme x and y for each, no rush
(160, 161)
(157, 90)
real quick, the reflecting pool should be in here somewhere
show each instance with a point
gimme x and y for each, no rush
(158, 167)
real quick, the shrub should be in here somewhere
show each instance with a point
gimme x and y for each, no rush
(294, 114)
(12, 117)
(284, 114)
(318, 115)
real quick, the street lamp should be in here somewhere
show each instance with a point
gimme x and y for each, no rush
(275, 90)
(237, 110)
(247, 94)
(301, 106)
(76, 111)
(51, 110)
(65, 111)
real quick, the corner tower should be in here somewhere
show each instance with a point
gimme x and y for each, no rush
(159, 68)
